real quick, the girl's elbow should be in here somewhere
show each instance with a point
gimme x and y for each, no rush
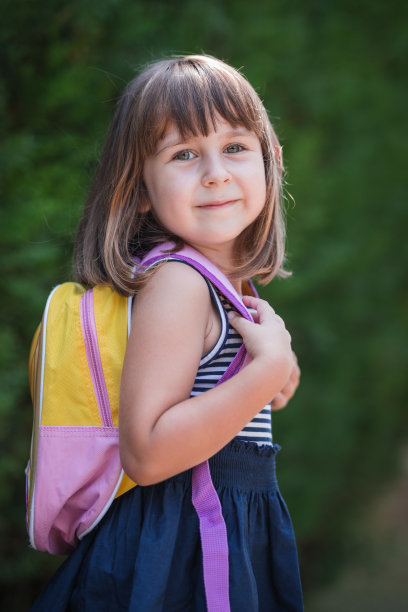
(140, 470)
(144, 477)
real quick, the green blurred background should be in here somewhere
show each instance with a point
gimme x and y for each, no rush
(333, 76)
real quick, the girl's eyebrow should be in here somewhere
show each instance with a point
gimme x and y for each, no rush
(239, 131)
(175, 139)
(172, 140)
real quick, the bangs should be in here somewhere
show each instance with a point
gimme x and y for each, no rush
(191, 94)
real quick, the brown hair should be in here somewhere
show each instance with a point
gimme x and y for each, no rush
(189, 91)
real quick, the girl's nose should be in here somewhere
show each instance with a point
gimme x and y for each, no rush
(215, 173)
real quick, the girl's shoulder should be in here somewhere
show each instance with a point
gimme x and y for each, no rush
(178, 278)
(174, 287)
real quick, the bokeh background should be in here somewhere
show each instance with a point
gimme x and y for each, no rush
(333, 76)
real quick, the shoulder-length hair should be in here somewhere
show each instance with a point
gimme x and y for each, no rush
(189, 92)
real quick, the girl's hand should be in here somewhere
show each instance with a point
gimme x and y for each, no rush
(267, 341)
(288, 391)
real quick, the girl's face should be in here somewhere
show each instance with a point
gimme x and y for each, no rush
(207, 189)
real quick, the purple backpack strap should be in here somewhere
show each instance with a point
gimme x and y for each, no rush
(213, 531)
(93, 357)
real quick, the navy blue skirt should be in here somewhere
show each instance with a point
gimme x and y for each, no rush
(145, 555)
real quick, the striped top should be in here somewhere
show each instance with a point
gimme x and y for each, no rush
(215, 363)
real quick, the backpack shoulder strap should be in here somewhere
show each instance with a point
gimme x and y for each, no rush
(203, 265)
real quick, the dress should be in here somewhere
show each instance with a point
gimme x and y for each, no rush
(145, 555)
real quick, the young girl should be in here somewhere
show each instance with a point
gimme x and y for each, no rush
(190, 158)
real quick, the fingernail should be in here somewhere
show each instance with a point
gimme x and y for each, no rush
(231, 314)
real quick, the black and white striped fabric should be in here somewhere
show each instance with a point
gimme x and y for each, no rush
(214, 364)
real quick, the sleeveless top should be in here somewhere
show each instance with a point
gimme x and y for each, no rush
(214, 364)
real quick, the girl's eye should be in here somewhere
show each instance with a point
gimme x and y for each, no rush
(234, 148)
(184, 155)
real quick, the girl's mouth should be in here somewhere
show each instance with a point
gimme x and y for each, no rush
(218, 204)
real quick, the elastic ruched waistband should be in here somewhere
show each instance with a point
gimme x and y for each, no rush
(245, 465)
(240, 465)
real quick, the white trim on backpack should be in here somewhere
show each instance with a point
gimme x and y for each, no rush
(44, 336)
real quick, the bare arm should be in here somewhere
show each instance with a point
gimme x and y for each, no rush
(162, 430)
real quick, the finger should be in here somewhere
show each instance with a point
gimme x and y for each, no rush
(279, 320)
(295, 374)
(238, 323)
(254, 315)
(263, 309)
(295, 371)
(289, 389)
(291, 385)
(279, 402)
(253, 302)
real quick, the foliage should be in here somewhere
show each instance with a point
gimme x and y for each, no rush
(332, 76)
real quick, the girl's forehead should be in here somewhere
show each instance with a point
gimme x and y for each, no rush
(218, 126)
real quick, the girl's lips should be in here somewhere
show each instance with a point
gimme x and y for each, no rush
(217, 204)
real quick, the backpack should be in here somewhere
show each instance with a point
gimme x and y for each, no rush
(74, 472)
